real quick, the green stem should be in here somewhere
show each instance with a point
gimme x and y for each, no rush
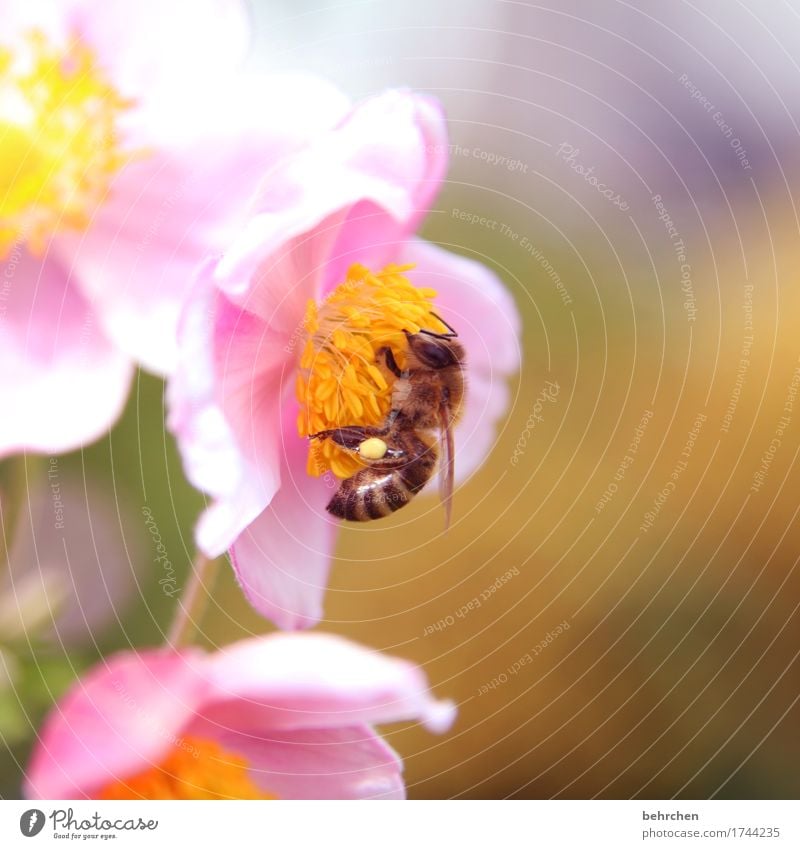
(193, 601)
(13, 493)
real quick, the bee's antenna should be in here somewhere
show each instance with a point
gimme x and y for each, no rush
(451, 335)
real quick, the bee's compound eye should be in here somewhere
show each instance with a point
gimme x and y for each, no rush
(373, 448)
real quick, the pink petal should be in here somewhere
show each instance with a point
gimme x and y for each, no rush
(186, 197)
(474, 300)
(278, 286)
(63, 383)
(254, 372)
(290, 681)
(118, 720)
(158, 49)
(282, 559)
(212, 458)
(359, 189)
(320, 763)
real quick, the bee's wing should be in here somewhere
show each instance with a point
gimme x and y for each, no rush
(447, 471)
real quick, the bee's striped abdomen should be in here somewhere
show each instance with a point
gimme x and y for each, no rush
(386, 486)
(369, 495)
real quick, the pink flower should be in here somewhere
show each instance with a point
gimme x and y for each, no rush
(269, 323)
(353, 198)
(129, 146)
(283, 716)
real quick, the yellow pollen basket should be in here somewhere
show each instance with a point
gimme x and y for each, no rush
(197, 769)
(58, 142)
(340, 381)
(373, 449)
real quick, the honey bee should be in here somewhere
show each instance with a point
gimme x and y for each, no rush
(427, 400)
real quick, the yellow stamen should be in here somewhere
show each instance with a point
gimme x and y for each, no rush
(340, 381)
(58, 140)
(194, 769)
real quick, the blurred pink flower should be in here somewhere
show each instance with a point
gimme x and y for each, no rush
(283, 716)
(129, 145)
(268, 324)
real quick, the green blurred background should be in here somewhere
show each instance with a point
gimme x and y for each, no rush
(678, 673)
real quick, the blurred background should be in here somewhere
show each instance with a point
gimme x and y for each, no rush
(633, 540)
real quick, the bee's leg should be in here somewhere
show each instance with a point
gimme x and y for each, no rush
(350, 437)
(391, 362)
(453, 334)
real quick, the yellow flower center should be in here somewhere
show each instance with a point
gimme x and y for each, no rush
(341, 380)
(58, 141)
(194, 769)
